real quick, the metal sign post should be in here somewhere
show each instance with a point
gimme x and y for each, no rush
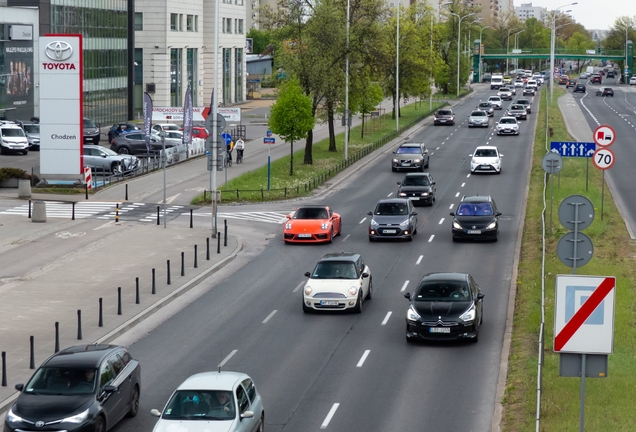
(552, 163)
(604, 158)
(163, 161)
(269, 140)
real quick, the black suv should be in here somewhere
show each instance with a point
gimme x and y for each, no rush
(476, 217)
(605, 91)
(611, 74)
(580, 88)
(91, 131)
(81, 388)
(418, 187)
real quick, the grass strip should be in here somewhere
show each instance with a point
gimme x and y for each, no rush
(608, 404)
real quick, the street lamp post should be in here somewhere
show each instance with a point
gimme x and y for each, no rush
(346, 111)
(459, 33)
(397, 70)
(624, 67)
(480, 32)
(553, 36)
(430, 96)
(517, 59)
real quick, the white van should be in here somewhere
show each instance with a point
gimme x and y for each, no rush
(496, 81)
(12, 138)
(590, 70)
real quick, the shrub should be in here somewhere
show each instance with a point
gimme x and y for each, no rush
(9, 173)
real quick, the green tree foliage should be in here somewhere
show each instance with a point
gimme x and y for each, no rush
(260, 38)
(364, 95)
(291, 116)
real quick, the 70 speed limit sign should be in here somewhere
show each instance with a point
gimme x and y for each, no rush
(603, 158)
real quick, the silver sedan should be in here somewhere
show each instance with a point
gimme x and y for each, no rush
(102, 159)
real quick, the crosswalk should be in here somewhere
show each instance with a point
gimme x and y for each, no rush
(270, 217)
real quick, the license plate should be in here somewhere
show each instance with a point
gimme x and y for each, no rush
(414, 198)
(439, 330)
(389, 231)
(329, 303)
(304, 235)
(406, 163)
(442, 121)
(484, 167)
(474, 231)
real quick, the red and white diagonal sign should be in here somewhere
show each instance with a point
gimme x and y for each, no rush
(584, 314)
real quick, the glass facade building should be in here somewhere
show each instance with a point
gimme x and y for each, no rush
(16, 75)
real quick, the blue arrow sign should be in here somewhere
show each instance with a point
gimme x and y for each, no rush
(269, 140)
(227, 137)
(573, 149)
(269, 133)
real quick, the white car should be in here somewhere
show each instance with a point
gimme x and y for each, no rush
(213, 401)
(507, 126)
(632, 81)
(495, 101)
(518, 83)
(505, 93)
(486, 159)
(478, 118)
(166, 127)
(340, 281)
(538, 78)
(173, 137)
(12, 138)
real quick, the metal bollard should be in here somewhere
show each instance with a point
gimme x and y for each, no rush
(191, 218)
(168, 265)
(154, 291)
(117, 212)
(100, 320)
(57, 336)
(126, 191)
(207, 248)
(32, 356)
(218, 243)
(4, 369)
(225, 233)
(182, 263)
(29, 209)
(137, 290)
(79, 324)
(195, 257)
(118, 300)
(86, 187)
(73, 212)
(205, 192)
(158, 223)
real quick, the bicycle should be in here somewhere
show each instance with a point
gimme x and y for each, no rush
(239, 156)
(228, 158)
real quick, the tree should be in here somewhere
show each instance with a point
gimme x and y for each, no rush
(291, 116)
(261, 39)
(364, 95)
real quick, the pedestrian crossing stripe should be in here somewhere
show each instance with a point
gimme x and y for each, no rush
(270, 217)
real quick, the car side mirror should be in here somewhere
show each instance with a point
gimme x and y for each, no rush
(370, 213)
(414, 214)
(365, 275)
(452, 213)
(288, 216)
(407, 295)
(104, 155)
(19, 387)
(110, 389)
(155, 413)
(432, 182)
(480, 296)
(498, 213)
(247, 414)
(399, 183)
(307, 274)
(394, 152)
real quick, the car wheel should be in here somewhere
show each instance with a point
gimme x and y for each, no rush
(359, 306)
(331, 236)
(428, 161)
(261, 427)
(476, 338)
(100, 424)
(339, 228)
(25, 152)
(455, 239)
(115, 168)
(410, 237)
(370, 293)
(134, 403)
(371, 239)
(123, 150)
(393, 169)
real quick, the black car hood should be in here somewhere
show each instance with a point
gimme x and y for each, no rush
(431, 311)
(414, 189)
(50, 407)
(478, 222)
(389, 219)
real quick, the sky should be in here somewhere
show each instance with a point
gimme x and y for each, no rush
(593, 14)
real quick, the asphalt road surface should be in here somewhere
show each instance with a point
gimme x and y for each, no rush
(305, 364)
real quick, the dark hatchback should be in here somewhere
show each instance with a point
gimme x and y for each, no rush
(393, 218)
(444, 117)
(444, 306)
(135, 143)
(605, 91)
(91, 131)
(579, 88)
(86, 388)
(477, 218)
(418, 187)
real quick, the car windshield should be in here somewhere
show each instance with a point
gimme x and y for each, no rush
(391, 209)
(523, 102)
(32, 129)
(170, 127)
(475, 209)
(408, 150)
(478, 114)
(108, 151)
(61, 381)
(204, 405)
(88, 123)
(608, 89)
(495, 99)
(484, 105)
(508, 121)
(311, 213)
(415, 181)
(442, 291)
(335, 270)
(444, 112)
(12, 132)
(517, 108)
(485, 153)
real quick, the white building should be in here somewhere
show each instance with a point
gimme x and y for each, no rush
(174, 48)
(526, 10)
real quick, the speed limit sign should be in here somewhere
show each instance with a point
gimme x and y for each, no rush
(603, 158)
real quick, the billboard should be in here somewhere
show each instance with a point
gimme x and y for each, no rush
(61, 111)
(18, 79)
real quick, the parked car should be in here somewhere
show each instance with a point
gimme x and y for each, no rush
(478, 118)
(486, 106)
(105, 160)
(476, 218)
(32, 132)
(418, 187)
(632, 81)
(12, 138)
(135, 143)
(579, 88)
(121, 128)
(166, 127)
(91, 131)
(81, 388)
(605, 91)
(486, 159)
(444, 117)
(410, 155)
(312, 224)
(198, 132)
(444, 306)
(172, 137)
(393, 218)
(213, 401)
(507, 126)
(526, 103)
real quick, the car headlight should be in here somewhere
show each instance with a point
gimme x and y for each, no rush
(404, 223)
(395, 160)
(424, 193)
(402, 194)
(411, 315)
(288, 225)
(456, 225)
(469, 315)
(417, 160)
(496, 162)
(492, 225)
(324, 226)
(353, 290)
(78, 418)
(374, 223)
(307, 290)
(12, 417)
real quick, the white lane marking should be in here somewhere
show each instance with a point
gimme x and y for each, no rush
(345, 239)
(457, 194)
(386, 318)
(269, 316)
(389, 194)
(332, 411)
(299, 285)
(437, 148)
(463, 184)
(468, 176)
(172, 198)
(363, 358)
(441, 221)
(431, 238)
(362, 221)
(419, 260)
(451, 206)
(406, 283)
(104, 226)
(226, 359)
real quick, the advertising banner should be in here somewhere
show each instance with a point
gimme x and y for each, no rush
(175, 114)
(61, 105)
(18, 88)
(147, 119)
(187, 117)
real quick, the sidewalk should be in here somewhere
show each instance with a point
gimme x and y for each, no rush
(92, 258)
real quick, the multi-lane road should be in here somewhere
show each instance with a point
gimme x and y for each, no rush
(347, 372)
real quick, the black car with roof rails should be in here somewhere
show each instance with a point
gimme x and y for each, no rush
(393, 218)
(85, 388)
(418, 187)
(476, 218)
(444, 306)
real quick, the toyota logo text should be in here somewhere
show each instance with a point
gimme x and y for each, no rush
(59, 50)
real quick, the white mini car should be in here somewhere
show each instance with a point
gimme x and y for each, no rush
(340, 281)
(507, 126)
(486, 159)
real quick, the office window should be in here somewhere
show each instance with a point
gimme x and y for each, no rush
(196, 23)
(227, 27)
(176, 98)
(173, 22)
(139, 21)
(139, 65)
(190, 23)
(180, 22)
(239, 2)
(240, 27)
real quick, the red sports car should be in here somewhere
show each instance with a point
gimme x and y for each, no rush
(312, 224)
(198, 132)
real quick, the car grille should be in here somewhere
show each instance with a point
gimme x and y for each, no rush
(339, 306)
(411, 194)
(385, 231)
(329, 295)
(439, 323)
